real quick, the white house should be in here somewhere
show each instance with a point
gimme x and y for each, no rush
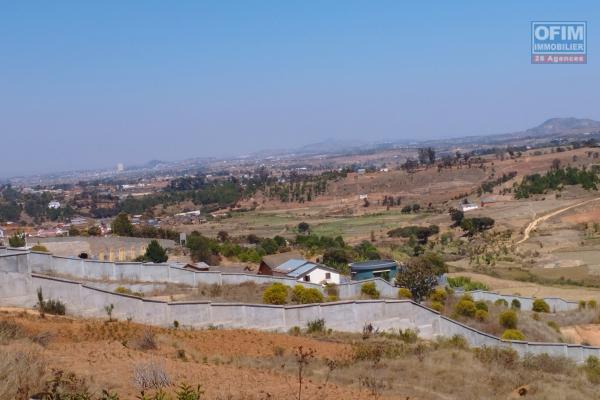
(306, 271)
(54, 204)
(467, 207)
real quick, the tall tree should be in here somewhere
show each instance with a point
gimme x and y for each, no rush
(121, 225)
(156, 253)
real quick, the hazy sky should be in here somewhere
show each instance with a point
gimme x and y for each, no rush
(88, 84)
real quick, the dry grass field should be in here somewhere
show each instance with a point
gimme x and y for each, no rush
(238, 364)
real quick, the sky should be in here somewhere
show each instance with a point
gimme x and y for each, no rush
(87, 85)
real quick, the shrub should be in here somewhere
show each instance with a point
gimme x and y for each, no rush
(318, 325)
(404, 293)
(592, 369)
(513, 334)
(466, 283)
(55, 307)
(370, 290)
(276, 293)
(501, 303)
(332, 290)
(408, 335)
(437, 306)
(303, 295)
(515, 304)
(146, 341)
(331, 298)
(9, 331)
(465, 308)
(40, 248)
(539, 305)
(481, 315)
(582, 304)
(481, 305)
(438, 295)
(150, 375)
(554, 326)
(466, 296)
(508, 319)
(497, 355)
(592, 304)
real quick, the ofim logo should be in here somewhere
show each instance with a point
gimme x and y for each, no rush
(559, 42)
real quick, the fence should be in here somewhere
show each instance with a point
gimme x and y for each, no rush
(18, 286)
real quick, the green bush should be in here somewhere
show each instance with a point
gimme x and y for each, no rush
(303, 295)
(508, 319)
(466, 283)
(370, 290)
(276, 293)
(592, 304)
(437, 306)
(481, 305)
(554, 326)
(592, 369)
(501, 303)
(513, 334)
(466, 296)
(438, 295)
(481, 315)
(539, 305)
(515, 304)
(40, 248)
(465, 308)
(404, 293)
(318, 325)
(582, 304)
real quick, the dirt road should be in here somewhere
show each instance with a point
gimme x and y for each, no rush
(534, 224)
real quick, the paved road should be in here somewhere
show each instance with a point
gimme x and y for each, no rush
(534, 224)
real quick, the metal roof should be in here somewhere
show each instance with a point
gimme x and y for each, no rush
(304, 269)
(373, 265)
(290, 265)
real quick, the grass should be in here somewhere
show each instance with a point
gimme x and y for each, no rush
(381, 364)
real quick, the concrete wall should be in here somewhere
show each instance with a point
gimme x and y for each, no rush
(556, 304)
(18, 286)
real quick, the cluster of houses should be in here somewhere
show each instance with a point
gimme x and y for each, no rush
(293, 265)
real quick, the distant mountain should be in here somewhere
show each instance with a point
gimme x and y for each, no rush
(555, 126)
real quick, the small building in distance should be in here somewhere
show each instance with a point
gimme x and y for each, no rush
(270, 262)
(307, 271)
(386, 269)
(464, 207)
(54, 205)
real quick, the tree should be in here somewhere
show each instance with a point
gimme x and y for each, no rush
(476, 224)
(121, 225)
(94, 231)
(17, 240)
(419, 276)
(303, 227)
(156, 253)
(73, 231)
(223, 236)
(456, 216)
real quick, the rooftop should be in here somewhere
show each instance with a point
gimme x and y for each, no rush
(373, 264)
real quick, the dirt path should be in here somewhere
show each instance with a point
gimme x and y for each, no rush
(534, 224)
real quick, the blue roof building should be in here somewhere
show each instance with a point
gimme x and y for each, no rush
(386, 269)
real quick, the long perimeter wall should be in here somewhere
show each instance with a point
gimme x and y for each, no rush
(18, 286)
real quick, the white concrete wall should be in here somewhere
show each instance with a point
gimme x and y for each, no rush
(18, 286)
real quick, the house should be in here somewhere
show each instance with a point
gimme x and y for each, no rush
(54, 205)
(386, 269)
(270, 262)
(307, 271)
(464, 207)
(197, 267)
